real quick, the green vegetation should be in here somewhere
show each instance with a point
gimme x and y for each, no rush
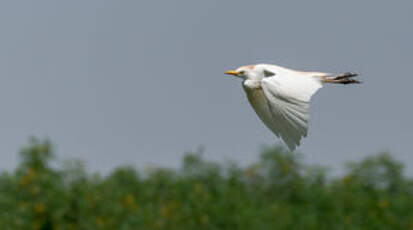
(278, 192)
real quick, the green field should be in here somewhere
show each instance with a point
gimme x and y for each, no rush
(277, 192)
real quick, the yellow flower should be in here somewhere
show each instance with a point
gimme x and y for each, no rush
(27, 178)
(129, 200)
(39, 208)
(129, 203)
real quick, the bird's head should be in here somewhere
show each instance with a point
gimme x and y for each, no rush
(243, 72)
(255, 72)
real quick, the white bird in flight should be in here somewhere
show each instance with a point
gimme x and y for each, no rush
(281, 96)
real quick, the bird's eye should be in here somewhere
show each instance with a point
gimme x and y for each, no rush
(242, 72)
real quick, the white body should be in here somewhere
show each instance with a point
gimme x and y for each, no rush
(281, 97)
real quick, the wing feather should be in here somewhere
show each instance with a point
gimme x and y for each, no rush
(259, 103)
(282, 103)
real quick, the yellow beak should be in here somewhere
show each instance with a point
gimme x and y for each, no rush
(231, 72)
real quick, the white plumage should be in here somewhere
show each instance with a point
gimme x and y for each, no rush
(281, 97)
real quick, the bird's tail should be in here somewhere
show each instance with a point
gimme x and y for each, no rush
(344, 78)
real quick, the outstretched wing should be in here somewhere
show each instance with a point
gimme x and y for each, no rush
(283, 105)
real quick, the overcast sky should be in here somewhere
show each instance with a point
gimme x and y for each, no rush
(141, 82)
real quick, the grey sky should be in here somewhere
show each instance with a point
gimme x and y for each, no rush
(141, 82)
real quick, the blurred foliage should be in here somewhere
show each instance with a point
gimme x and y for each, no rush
(278, 192)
